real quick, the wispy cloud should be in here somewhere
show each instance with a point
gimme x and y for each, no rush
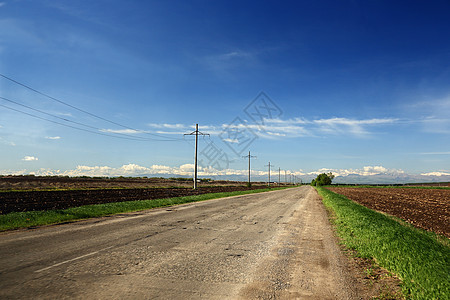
(352, 126)
(30, 158)
(436, 153)
(436, 125)
(232, 140)
(169, 126)
(228, 61)
(434, 114)
(122, 131)
(290, 128)
(2, 4)
(19, 33)
(6, 142)
(234, 55)
(53, 137)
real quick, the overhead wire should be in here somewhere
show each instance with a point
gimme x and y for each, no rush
(67, 120)
(86, 112)
(70, 126)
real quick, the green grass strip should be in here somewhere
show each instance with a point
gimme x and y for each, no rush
(420, 260)
(16, 220)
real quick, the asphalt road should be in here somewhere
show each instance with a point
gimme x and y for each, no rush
(274, 245)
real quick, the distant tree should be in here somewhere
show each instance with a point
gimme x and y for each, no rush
(322, 179)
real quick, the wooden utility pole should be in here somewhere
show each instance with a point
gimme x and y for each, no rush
(249, 157)
(279, 170)
(269, 174)
(196, 133)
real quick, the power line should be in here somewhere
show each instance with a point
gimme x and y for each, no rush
(70, 126)
(79, 109)
(74, 122)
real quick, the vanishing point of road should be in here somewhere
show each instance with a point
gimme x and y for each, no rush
(273, 245)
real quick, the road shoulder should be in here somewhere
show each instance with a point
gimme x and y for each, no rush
(307, 261)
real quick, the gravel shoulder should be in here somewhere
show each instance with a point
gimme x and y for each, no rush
(274, 245)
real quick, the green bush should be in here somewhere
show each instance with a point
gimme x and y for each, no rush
(322, 179)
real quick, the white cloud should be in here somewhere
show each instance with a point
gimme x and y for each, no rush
(170, 132)
(2, 3)
(53, 137)
(121, 131)
(288, 121)
(352, 126)
(187, 168)
(435, 174)
(133, 168)
(275, 133)
(30, 158)
(234, 141)
(374, 174)
(169, 126)
(347, 121)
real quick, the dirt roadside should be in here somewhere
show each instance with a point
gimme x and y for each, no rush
(309, 263)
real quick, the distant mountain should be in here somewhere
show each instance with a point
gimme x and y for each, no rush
(390, 178)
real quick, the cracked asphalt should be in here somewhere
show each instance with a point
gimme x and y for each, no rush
(273, 245)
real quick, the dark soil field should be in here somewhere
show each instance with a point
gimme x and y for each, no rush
(28, 193)
(428, 209)
(21, 183)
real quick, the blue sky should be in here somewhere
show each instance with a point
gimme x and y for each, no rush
(355, 87)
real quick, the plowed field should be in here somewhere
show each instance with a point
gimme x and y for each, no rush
(46, 200)
(428, 209)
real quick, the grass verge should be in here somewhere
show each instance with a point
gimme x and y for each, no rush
(17, 220)
(419, 260)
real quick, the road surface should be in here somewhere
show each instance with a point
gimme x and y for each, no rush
(274, 245)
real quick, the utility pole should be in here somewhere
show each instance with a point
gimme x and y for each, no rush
(279, 170)
(269, 173)
(196, 133)
(249, 156)
(285, 177)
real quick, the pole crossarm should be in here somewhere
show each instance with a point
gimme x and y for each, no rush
(196, 132)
